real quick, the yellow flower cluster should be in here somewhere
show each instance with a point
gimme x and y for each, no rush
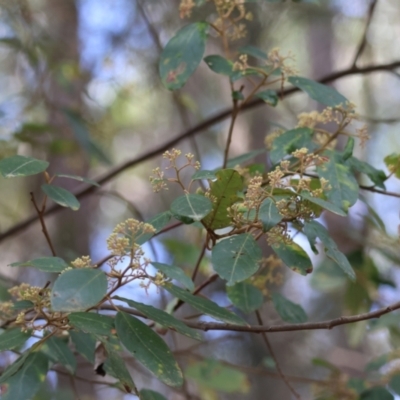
(83, 262)
(122, 240)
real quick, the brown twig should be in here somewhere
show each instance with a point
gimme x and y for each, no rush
(363, 42)
(41, 219)
(197, 266)
(272, 354)
(375, 190)
(88, 189)
(209, 326)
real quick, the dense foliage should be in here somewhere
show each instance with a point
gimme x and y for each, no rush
(309, 169)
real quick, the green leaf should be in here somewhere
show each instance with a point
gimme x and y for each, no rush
(193, 206)
(97, 324)
(78, 289)
(287, 310)
(46, 264)
(322, 203)
(12, 339)
(147, 394)
(204, 305)
(85, 344)
(162, 318)
(22, 305)
(392, 161)
(13, 368)
(314, 229)
(14, 166)
(269, 96)
(24, 384)
(290, 141)
(159, 222)
(317, 91)
(233, 162)
(209, 175)
(253, 52)
(348, 150)
(82, 135)
(61, 196)
(173, 272)
(182, 55)
(58, 351)
(215, 375)
(269, 214)
(376, 393)
(148, 348)
(236, 258)
(344, 192)
(78, 178)
(394, 384)
(294, 257)
(116, 367)
(221, 65)
(224, 190)
(377, 176)
(246, 297)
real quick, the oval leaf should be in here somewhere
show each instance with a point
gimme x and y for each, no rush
(269, 214)
(209, 175)
(162, 318)
(322, 203)
(59, 352)
(24, 384)
(61, 196)
(317, 91)
(294, 257)
(46, 264)
(78, 289)
(236, 258)
(204, 305)
(148, 348)
(85, 344)
(344, 192)
(182, 55)
(12, 167)
(314, 229)
(78, 178)
(221, 65)
(92, 323)
(13, 338)
(224, 190)
(116, 367)
(191, 206)
(173, 272)
(287, 310)
(290, 141)
(246, 297)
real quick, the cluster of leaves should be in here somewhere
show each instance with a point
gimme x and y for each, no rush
(235, 207)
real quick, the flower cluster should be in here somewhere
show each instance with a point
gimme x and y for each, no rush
(121, 242)
(82, 262)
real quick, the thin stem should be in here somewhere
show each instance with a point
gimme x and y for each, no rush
(42, 223)
(363, 42)
(272, 354)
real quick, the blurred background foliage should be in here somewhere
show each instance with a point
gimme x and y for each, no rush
(80, 87)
